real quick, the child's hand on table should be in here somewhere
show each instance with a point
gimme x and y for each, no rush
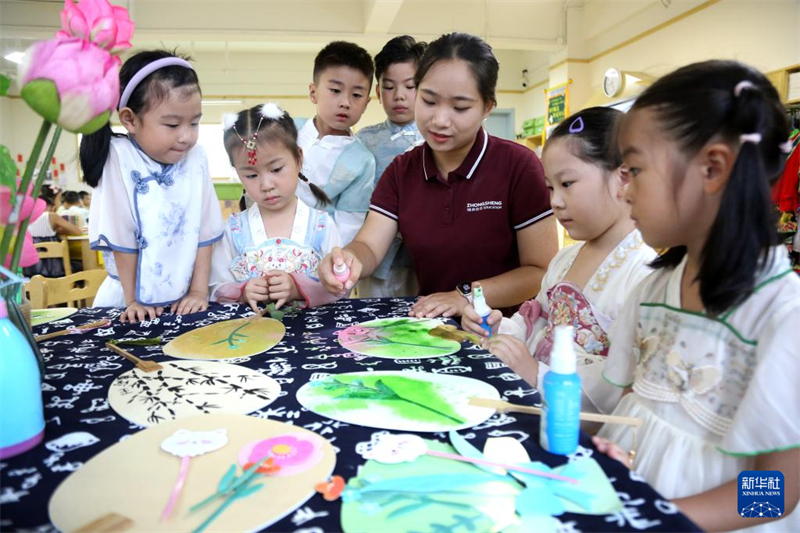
(193, 302)
(136, 312)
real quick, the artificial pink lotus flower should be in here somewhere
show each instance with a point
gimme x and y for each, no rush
(98, 21)
(29, 207)
(70, 82)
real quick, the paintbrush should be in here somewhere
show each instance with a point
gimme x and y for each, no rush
(73, 329)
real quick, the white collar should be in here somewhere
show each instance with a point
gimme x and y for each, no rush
(474, 166)
(310, 133)
(299, 226)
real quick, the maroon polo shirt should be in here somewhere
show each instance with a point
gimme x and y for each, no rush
(465, 228)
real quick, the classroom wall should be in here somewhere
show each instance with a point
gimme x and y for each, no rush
(19, 126)
(763, 34)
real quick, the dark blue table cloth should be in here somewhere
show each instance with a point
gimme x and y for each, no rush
(79, 371)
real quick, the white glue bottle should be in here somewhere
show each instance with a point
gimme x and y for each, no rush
(480, 306)
(561, 398)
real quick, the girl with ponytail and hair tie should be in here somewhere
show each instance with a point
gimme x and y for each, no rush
(706, 352)
(271, 251)
(155, 214)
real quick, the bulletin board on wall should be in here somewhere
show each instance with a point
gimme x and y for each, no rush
(557, 105)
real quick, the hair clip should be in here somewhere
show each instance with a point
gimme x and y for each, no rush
(250, 144)
(576, 126)
(754, 138)
(229, 120)
(271, 111)
(742, 85)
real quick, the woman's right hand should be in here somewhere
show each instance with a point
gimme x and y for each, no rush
(136, 312)
(338, 256)
(471, 321)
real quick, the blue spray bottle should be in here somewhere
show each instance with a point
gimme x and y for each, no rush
(21, 412)
(480, 306)
(561, 409)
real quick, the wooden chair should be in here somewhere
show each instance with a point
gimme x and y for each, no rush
(76, 290)
(57, 250)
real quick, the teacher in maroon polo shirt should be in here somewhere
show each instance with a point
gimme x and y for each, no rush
(470, 207)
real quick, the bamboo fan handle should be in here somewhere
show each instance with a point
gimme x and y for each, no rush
(503, 406)
(146, 366)
(108, 523)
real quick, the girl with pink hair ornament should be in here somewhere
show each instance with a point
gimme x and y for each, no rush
(271, 250)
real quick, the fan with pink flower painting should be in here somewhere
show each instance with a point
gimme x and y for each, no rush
(397, 338)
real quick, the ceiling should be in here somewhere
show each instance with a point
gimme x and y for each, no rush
(525, 33)
(304, 25)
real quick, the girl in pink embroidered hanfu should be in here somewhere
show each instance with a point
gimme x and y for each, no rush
(271, 250)
(586, 284)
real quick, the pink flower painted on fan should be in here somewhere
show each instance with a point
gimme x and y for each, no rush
(70, 82)
(356, 334)
(98, 21)
(29, 206)
(292, 453)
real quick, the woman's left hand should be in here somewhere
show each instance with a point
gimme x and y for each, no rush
(444, 304)
(193, 302)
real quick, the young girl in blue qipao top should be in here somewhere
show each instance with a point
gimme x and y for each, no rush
(154, 214)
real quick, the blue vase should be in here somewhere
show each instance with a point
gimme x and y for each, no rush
(21, 411)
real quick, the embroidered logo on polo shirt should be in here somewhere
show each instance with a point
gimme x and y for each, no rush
(483, 206)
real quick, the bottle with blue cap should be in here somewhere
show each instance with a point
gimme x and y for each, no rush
(481, 307)
(561, 397)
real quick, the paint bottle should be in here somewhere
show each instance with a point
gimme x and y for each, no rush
(561, 398)
(341, 272)
(21, 412)
(479, 304)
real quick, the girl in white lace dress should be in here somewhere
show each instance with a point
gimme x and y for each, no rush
(707, 350)
(586, 284)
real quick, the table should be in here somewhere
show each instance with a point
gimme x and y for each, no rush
(88, 256)
(79, 372)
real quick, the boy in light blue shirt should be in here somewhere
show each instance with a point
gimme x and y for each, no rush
(395, 67)
(333, 158)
